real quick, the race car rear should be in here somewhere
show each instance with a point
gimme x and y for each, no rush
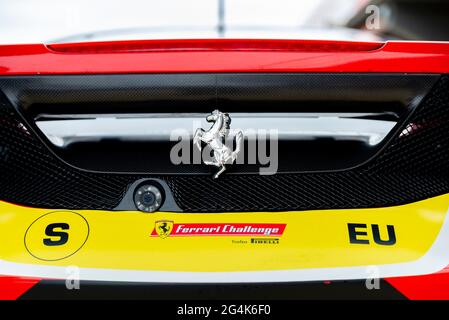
(113, 160)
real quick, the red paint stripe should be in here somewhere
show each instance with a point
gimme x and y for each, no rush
(426, 287)
(12, 288)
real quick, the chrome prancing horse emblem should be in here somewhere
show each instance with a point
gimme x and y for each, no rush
(215, 137)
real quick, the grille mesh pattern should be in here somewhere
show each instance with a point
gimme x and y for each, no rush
(31, 175)
(414, 166)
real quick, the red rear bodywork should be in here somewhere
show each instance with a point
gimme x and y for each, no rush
(225, 55)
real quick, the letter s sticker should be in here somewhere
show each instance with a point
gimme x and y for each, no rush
(50, 231)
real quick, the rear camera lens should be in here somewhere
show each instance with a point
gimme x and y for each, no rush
(148, 198)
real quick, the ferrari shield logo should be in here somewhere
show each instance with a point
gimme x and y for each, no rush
(163, 228)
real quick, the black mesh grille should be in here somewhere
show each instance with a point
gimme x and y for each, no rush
(414, 166)
(31, 175)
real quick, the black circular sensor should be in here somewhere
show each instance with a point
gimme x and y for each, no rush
(148, 198)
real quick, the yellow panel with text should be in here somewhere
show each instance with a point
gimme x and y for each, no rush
(311, 239)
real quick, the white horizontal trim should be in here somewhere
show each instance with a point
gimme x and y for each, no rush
(160, 127)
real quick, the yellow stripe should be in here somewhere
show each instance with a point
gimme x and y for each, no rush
(312, 239)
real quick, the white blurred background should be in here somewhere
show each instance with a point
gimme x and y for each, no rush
(29, 21)
(24, 21)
